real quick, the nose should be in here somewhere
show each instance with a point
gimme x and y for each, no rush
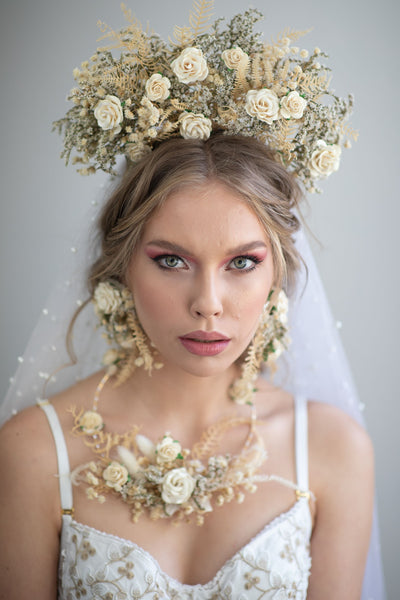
(206, 299)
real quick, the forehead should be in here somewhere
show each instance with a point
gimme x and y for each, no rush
(207, 214)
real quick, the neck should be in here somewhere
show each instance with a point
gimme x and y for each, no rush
(199, 401)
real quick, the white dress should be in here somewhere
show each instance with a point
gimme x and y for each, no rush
(275, 564)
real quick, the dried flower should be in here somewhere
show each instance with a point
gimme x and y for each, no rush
(108, 112)
(157, 88)
(292, 106)
(91, 422)
(167, 450)
(325, 159)
(235, 57)
(115, 476)
(263, 104)
(194, 126)
(190, 66)
(177, 486)
(107, 298)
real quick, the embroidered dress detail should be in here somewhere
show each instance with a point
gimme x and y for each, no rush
(275, 564)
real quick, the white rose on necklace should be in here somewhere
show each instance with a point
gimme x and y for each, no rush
(190, 66)
(263, 104)
(115, 476)
(91, 422)
(108, 112)
(168, 450)
(177, 486)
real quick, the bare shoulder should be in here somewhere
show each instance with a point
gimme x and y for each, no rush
(339, 447)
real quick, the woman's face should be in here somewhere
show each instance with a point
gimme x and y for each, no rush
(200, 277)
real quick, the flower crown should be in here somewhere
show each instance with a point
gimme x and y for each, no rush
(200, 83)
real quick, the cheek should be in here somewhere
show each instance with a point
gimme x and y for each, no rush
(154, 303)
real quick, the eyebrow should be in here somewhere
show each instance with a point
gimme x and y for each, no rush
(181, 250)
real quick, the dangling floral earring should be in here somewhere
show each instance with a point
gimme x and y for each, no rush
(269, 341)
(115, 308)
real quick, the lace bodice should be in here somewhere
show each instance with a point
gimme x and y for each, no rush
(275, 564)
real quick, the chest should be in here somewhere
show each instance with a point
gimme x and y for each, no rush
(274, 563)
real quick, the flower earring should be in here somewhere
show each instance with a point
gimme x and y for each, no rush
(115, 308)
(269, 341)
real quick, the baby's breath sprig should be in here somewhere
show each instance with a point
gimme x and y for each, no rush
(205, 80)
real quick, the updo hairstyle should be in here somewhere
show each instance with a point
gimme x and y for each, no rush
(242, 164)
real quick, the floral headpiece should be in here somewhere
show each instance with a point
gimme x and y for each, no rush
(208, 79)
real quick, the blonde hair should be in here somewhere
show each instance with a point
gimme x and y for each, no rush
(243, 164)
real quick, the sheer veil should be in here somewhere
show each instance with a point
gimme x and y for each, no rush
(315, 364)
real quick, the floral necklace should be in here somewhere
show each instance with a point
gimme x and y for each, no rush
(163, 478)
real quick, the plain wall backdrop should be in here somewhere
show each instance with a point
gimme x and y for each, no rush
(356, 219)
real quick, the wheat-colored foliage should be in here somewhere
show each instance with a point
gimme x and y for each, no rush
(256, 70)
(105, 441)
(286, 130)
(313, 84)
(120, 81)
(210, 439)
(132, 39)
(199, 18)
(241, 83)
(292, 34)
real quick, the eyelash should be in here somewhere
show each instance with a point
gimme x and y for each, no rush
(255, 260)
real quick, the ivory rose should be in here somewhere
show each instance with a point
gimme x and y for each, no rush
(91, 422)
(194, 126)
(177, 486)
(108, 112)
(263, 104)
(106, 298)
(293, 105)
(325, 159)
(167, 450)
(190, 66)
(115, 476)
(157, 88)
(233, 57)
(282, 307)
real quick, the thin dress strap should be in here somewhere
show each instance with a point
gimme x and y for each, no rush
(301, 445)
(62, 458)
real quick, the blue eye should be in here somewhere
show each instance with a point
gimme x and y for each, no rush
(244, 263)
(169, 261)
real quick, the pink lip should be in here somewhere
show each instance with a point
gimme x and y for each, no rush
(205, 343)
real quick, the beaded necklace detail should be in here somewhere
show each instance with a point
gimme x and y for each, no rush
(163, 479)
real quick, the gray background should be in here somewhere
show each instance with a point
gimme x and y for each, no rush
(356, 220)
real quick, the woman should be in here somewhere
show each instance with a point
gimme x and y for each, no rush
(197, 244)
(200, 270)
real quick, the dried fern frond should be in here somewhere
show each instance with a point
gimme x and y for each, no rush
(200, 16)
(291, 34)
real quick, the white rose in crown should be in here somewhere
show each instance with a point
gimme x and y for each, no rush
(292, 106)
(194, 126)
(190, 66)
(157, 88)
(167, 450)
(108, 112)
(325, 159)
(115, 476)
(234, 57)
(177, 486)
(91, 422)
(107, 298)
(262, 104)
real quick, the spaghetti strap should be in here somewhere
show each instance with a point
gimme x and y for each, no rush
(301, 443)
(62, 458)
